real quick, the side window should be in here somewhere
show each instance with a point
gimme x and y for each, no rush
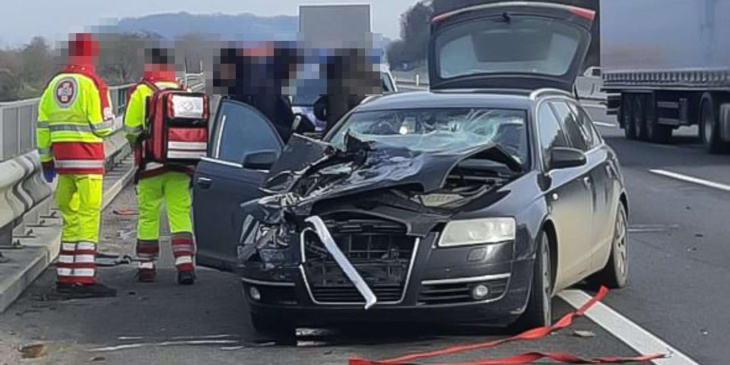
(241, 130)
(578, 138)
(586, 124)
(550, 133)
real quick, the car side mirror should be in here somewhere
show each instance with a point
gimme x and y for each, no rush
(564, 158)
(320, 108)
(260, 160)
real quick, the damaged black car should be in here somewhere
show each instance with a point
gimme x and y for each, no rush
(474, 202)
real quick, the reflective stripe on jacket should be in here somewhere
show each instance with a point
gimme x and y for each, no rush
(74, 115)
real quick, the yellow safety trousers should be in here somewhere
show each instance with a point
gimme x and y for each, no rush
(172, 188)
(79, 198)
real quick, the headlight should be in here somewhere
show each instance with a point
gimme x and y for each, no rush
(478, 231)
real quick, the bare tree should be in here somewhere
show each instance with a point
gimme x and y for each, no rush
(415, 30)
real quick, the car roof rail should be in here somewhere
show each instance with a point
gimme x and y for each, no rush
(535, 94)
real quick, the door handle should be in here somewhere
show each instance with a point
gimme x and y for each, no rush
(204, 182)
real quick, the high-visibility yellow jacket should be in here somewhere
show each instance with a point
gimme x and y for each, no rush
(135, 122)
(74, 115)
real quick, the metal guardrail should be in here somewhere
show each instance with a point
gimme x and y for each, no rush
(24, 194)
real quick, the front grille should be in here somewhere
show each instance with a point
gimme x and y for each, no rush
(459, 293)
(349, 294)
(378, 249)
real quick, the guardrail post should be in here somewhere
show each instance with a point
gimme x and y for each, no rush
(418, 79)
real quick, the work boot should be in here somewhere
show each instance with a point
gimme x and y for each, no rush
(146, 275)
(185, 277)
(146, 272)
(80, 291)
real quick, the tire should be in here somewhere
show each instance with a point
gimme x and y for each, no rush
(627, 116)
(272, 326)
(615, 274)
(539, 305)
(639, 118)
(657, 133)
(710, 126)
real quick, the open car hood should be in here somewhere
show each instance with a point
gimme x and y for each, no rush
(523, 45)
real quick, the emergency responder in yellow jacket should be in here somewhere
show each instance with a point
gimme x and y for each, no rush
(158, 183)
(74, 115)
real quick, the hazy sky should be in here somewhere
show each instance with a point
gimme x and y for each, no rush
(23, 19)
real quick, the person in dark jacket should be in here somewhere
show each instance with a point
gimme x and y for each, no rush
(260, 76)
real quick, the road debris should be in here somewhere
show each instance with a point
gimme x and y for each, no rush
(231, 348)
(583, 334)
(125, 211)
(97, 358)
(33, 351)
(110, 259)
(126, 234)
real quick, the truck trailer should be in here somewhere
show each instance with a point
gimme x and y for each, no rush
(666, 65)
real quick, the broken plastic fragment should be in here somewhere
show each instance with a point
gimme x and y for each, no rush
(583, 334)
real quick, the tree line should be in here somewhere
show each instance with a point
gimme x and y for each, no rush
(25, 70)
(410, 50)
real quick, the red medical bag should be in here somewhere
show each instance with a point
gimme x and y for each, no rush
(177, 126)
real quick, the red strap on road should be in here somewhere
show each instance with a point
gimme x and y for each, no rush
(530, 357)
(526, 358)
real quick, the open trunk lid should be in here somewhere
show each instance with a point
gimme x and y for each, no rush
(519, 44)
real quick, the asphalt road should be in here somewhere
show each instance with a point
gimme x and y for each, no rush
(679, 237)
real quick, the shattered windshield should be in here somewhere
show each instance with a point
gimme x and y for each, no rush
(440, 130)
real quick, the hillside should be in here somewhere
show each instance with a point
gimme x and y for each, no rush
(220, 26)
(217, 26)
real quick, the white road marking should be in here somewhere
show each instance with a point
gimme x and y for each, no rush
(164, 344)
(691, 179)
(602, 124)
(646, 228)
(628, 332)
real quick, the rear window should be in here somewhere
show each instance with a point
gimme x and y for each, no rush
(528, 45)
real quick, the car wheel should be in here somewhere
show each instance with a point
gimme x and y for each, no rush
(273, 327)
(615, 274)
(539, 306)
(627, 117)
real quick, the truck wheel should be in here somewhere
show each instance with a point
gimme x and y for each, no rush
(640, 117)
(657, 133)
(627, 116)
(710, 126)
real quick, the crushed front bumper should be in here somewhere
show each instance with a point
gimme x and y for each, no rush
(438, 289)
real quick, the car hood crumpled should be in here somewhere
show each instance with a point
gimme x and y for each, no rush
(311, 171)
